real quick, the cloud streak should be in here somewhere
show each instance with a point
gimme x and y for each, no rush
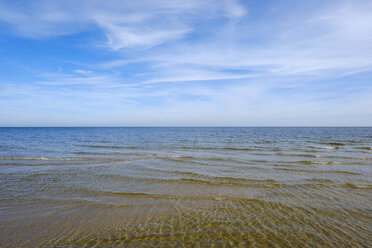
(225, 62)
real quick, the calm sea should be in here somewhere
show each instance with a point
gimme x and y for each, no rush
(191, 187)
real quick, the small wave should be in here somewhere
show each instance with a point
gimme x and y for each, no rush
(357, 186)
(218, 148)
(174, 156)
(308, 162)
(222, 182)
(318, 156)
(102, 153)
(340, 157)
(164, 156)
(324, 147)
(243, 179)
(318, 171)
(265, 142)
(187, 197)
(316, 162)
(117, 153)
(363, 148)
(159, 196)
(70, 159)
(239, 149)
(61, 163)
(111, 147)
(186, 173)
(297, 155)
(40, 158)
(334, 143)
(195, 178)
(227, 197)
(320, 180)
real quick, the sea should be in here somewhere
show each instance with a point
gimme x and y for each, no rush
(186, 187)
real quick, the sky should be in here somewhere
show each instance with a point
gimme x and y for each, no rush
(185, 63)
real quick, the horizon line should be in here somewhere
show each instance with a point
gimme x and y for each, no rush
(179, 126)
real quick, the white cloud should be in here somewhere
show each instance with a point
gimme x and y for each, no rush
(234, 9)
(311, 44)
(140, 23)
(122, 37)
(83, 72)
(205, 62)
(82, 78)
(337, 37)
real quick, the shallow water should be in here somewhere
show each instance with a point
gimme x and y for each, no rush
(191, 187)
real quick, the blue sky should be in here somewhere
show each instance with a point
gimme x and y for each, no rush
(185, 63)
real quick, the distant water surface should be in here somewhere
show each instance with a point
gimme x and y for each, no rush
(192, 187)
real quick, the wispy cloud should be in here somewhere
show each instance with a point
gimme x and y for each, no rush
(208, 62)
(125, 23)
